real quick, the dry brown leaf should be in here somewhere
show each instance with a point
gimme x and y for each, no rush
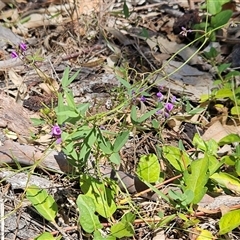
(216, 132)
(16, 116)
(87, 7)
(18, 82)
(16, 79)
(174, 124)
(44, 139)
(50, 86)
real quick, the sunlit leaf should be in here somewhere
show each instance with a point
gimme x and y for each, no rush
(215, 6)
(229, 221)
(149, 168)
(197, 178)
(123, 228)
(99, 236)
(177, 158)
(221, 18)
(47, 236)
(226, 180)
(229, 139)
(115, 158)
(43, 202)
(120, 141)
(102, 196)
(88, 219)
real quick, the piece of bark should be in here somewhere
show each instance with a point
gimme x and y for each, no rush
(7, 37)
(12, 152)
(22, 180)
(15, 117)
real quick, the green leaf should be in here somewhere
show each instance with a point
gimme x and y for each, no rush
(211, 54)
(128, 217)
(226, 180)
(65, 79)
(210, 146)
(68, 113)
(228, 160)
(147, 115)
(215, 6)
(120, 141)
(221, 18)
(70, 100)
(214, 164)
(88, 220)
(104, 144)
(65, 76)
(106, 147)
(123, 228)
(229, 221)
(197, 178)
(81, 132)
(37, 121)
(229, 139)
(177, 158)
(126, 84)
(71, 79)
(166, 220)
(154, 189)
(45, 236)
(224, 93)
(237, 167)
(102, 196)
(43, 202)
(235, 110)
(98, 236)
(115, 158)
(126, 10)
(155, 124)
(60, 119)
(185, 198)
(204, 234)
(221, 68)
(149, 168)
(82, 108)
(136, 120)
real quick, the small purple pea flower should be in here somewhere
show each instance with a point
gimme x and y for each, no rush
(143, 99)
(173, 99)
(14, 54)
(56, 132)
(160, 96)
(185, 31)
(169, 107)
(23, 46)
(159, 112)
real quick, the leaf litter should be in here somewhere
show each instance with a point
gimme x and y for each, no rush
(110, 42)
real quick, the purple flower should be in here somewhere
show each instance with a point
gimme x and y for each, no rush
(102, 127)
(160, 96)
(143, 99)
(159, 112)
(59, 140)
(185, 31)
(56, 132)
(14, 54)
(173, 99)
(23, 46)
(168, 107)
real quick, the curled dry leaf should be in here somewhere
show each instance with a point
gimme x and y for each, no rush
(18, 82)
